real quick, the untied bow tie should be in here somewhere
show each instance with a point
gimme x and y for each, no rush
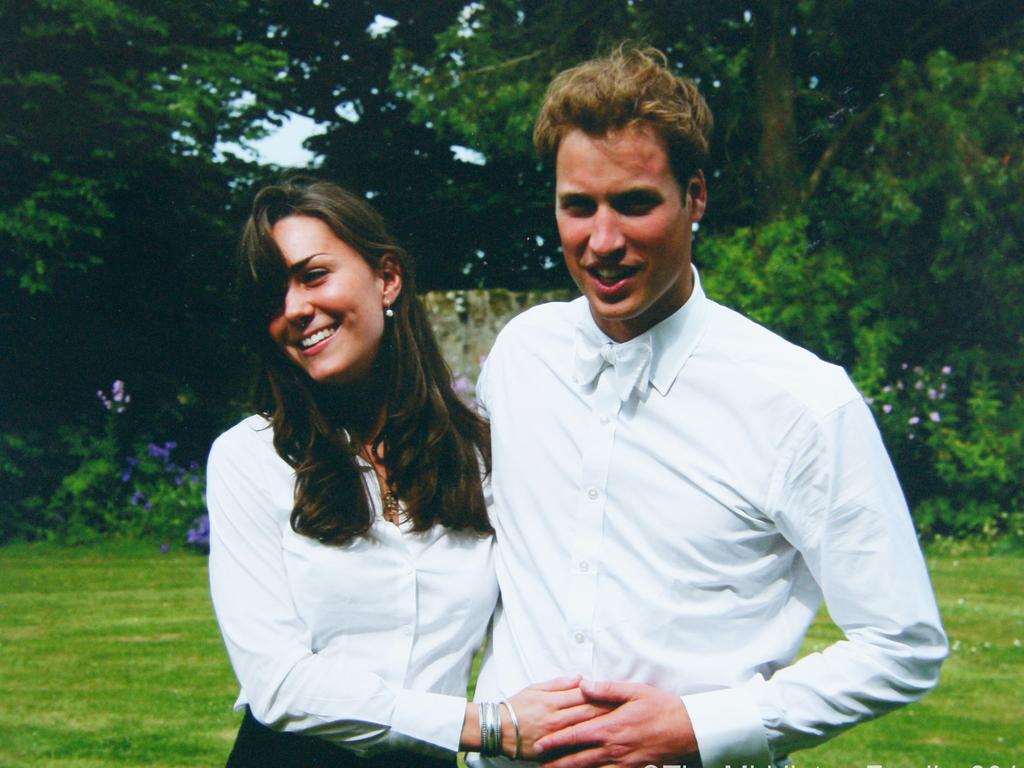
(631, 361)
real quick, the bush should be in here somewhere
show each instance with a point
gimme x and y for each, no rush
(960, 455)
(98, 481)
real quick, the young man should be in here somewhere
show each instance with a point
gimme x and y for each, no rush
(675, 487)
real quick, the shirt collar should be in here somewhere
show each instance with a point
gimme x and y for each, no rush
(673, 340)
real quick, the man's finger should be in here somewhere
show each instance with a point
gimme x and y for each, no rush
(587, 758)
(575, 736)
(578, 714)
(563, 683)
(613, 692)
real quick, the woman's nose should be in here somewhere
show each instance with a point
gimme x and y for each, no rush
(297, 307)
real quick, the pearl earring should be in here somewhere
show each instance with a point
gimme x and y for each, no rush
(388, 311)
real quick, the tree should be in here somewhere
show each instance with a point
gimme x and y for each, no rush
(866, 190)
(114, 214)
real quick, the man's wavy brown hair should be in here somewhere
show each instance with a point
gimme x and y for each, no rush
(434, 446)
(631, 88)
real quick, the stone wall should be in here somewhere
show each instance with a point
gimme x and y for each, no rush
(466, 323)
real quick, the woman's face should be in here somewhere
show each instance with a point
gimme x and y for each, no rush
(332, 319)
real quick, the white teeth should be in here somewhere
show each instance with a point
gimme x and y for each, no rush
(319, 336)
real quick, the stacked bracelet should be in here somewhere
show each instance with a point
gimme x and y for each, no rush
(515, 725)
(490, 729)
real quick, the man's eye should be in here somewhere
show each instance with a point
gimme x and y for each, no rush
(640, 205)
(578, 206)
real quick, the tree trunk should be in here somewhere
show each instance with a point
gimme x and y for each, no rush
(778, 166)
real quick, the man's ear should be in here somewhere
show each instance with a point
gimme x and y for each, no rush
(390, 273)
(697, 196)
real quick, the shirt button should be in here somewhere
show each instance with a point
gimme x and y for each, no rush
(579, 637)
(584, 565)
(592, 494)
(605, 419)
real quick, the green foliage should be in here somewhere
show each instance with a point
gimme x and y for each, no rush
(777, 276)
(960, 452)
(95, 92)
(20, 500)
(98, 482)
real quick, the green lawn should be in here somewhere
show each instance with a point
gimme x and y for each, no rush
(109, 656)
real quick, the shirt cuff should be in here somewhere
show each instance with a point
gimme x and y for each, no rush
(434, 718)
(728, 728)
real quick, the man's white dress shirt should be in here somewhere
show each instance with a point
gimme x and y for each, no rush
(368, 645)
(685, 537)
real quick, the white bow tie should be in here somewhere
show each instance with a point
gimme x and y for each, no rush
(630, 360)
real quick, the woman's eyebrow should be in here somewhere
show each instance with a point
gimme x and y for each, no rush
(299, 265)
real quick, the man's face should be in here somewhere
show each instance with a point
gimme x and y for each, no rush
(626, 227)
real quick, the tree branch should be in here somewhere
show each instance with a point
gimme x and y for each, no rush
(828, 156)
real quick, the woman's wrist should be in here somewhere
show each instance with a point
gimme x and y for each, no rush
(470, 740)
(496, 717)
(511, 741)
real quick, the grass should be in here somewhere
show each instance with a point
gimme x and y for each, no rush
(110, 656)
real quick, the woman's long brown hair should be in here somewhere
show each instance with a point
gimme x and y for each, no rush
(434, 446)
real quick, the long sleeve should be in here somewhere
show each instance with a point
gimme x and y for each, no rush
(837, 500)
(334, 663)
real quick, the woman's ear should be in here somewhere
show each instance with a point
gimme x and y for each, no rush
(390, 273)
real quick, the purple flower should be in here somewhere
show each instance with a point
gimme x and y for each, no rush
(165, 548)
(199, 535)
(935, 416)
(919, 384)
(118, 400)
(162, 452)
(932, 393)
(946, 370)
(886, 408)
(462, 384)
(913, 420)
(138, 497)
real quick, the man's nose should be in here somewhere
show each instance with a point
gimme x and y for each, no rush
(606, 236)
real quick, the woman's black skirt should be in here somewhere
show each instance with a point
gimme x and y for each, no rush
(258, 746)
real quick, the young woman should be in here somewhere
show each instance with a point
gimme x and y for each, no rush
(350, 560)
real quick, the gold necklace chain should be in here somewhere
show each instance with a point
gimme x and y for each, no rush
(392, 507)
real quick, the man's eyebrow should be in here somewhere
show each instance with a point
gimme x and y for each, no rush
(573, 197)
(638, 192)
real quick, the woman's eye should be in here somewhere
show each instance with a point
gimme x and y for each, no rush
(313, 275)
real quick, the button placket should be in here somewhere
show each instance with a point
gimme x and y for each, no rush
(589, 523)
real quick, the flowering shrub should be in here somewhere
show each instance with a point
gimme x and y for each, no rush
(960, 455)
(139, 490)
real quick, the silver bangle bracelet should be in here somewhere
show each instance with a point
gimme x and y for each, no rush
(490, 729)
(515, 725)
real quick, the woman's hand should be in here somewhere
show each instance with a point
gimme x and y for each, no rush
(545, 708)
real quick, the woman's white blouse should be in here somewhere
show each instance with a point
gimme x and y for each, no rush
(368, 645)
